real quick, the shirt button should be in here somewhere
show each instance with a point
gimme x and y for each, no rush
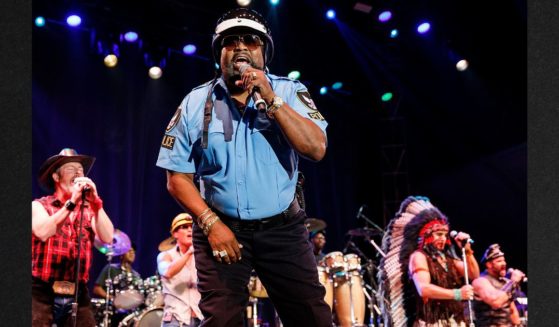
(240, 182)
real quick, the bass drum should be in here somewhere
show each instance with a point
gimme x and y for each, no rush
(150, 318)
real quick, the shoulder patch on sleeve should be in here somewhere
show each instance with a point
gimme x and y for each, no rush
(306, 99)
(174, 121)
(168, 142)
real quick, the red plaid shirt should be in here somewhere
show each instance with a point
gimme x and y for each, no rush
(55, 259)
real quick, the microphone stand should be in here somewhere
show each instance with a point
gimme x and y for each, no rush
(360, 215)
(78, 264)
(467, 283)
(109, 289)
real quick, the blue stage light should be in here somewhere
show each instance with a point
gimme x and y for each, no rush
(394, 33)
(131, 36)
(40, 21)
(331, 14)
(385, 16)
(274, 2)
(423, 28)
(74, 20)
(323, 90)
(189, 49)
(337, 85)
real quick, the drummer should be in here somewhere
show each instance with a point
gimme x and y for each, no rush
(318, 240)
(178, 277)
(122, 276)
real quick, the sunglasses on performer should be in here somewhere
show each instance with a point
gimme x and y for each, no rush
(251, 41)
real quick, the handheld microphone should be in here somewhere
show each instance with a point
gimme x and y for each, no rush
(524, 279)
(454, 233)
(256, 97)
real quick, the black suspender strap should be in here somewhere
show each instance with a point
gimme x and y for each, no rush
(207, 115)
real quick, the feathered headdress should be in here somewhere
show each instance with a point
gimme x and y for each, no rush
(410, 229)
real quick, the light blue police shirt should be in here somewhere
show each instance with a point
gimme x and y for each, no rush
(248, 170)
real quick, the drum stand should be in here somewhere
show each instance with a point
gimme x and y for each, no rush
(109, 283)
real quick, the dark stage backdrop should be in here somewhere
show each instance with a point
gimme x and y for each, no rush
(465, 137)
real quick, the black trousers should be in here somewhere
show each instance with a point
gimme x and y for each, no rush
(283, 259)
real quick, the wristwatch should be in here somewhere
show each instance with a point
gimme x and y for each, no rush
(277, 102)
(70, 205)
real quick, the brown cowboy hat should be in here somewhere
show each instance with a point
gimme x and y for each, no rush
(51, 164)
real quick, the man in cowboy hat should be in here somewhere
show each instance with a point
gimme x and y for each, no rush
(56, 237)
(243, 134)
(178, 277)
(494, 292)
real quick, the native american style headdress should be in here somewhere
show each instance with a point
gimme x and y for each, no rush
(410, 229)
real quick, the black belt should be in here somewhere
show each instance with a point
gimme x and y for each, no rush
(253, 225)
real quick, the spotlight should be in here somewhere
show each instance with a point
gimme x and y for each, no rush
(423, 28)
(110, 60)
(74, 20)
(385, 16)
(274, 2)
(243, 3)
(331, 14)
(295, 74)
(386, 97)
(337, 85)
(462, 65)
(156, 59)
(155, 72)
(323, 90)
(40, 21)
(394, 33)
(109, 50)
(189, 49)
(131, 36)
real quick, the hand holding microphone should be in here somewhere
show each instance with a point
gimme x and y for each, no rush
(259, 102)
(517, 276)
(461, 238)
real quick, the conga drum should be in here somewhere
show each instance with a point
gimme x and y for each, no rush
(324, 279)
(349, 298)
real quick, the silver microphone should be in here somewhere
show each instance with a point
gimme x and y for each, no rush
(256, 97)
(524, 279)
(454, 233)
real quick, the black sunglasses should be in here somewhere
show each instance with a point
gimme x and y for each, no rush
(251, 41)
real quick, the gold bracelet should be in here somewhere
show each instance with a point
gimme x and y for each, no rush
(209, 225)
(204, 212)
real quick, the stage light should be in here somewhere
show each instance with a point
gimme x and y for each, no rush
(323, 90)
(394, 33)
(216, 65)
(108, 48)
(155, 72)
(386, 97)
(462, 65)
(243, 3)
(74, 20)
(131, 36)
(295, 74)
(337, 85)
(274, 2)
(331, 14)
(40, 21)
(189, 49)
(385, 16)
(423, 28)
(110, 60)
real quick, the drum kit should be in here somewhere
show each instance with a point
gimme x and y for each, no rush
(342, 275)
(134, 301)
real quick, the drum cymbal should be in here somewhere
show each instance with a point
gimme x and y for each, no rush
(362, 232)
(167, 244)
(315, 224)
(121, 244)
